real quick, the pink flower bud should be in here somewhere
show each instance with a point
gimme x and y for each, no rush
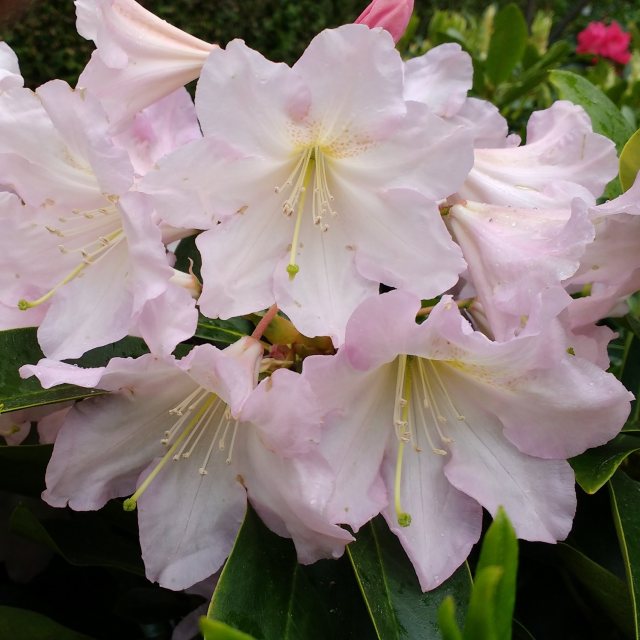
(392, 15)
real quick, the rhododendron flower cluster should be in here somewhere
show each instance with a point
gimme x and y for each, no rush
(605, 41)
(311, 189)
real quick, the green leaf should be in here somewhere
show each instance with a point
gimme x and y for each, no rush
(264, 592)
(84, 541)
(20, 624)
(447, 620)
(629, 373)
(606, 118)
(187, 254)
(481, 622)
(398, 607)
(500, 549)
(22, 468)
(215, 630)
(507, 44)
(595, 467)
(625, 504)
(223, 332)
(607, 590)
(20, 346)
(630, 161)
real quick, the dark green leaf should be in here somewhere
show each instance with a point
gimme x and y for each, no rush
(605, 116)
(482, 616)
(223, 332)
(85, 540)
(630, 161)
(20, 624)
(22, 468)
(188, 257)
(264, 592)
(215, 630)
(500, 549)
(629, 372)
(607, 590)
(625, 504)
(398, 607)
(20, 346)
(593, 468)
(507, 44)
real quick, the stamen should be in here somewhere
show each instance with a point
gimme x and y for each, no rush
(457, 413)
(292, 267)
(431, 404)
(130, 503)
(403, 383)
(88, 259)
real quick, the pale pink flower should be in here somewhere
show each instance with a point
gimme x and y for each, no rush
(10, 77)
(562, 159)
(428, 423)
(189, 438)
(327, 190)
(139, 57)
(103, 270)
(518, 260)
(392, 15)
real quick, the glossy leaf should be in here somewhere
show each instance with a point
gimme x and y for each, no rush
(20, 346)
(398, 607)
(223, 332)
(500, 549)
(482, 616)
(447, 620)
(606, 118)
(507, 44)
(629, 372)
(630, 161)
(188, 257)
(607, 590)
(625, 504)
(22, 468)
(595, 467)
(264, 592)
(20, 624)
(216, 630)
(85, 540)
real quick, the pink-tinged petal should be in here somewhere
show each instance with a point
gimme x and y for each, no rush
(285, 410)
(10, 77)
(107, 441)
(405, 228)
(372, 344)
(440, 79)
(234, 79)
(139, 59)
(518, 259)
(168, 320)
(445, 523)
(290, 495)
(35, 161)
(392, 15)
(358, 424)
(362, 100)
(562, 159)
(401, 161)
(90, 311)
(49, 426)
(165, 125)
(538, 495)
(82, 123)
(188, 520)
(53, 372)
(206, 181)
(328, 287)
(238, 261)
(14, 427)
(486, 124)
(590, 342)
(231, 373)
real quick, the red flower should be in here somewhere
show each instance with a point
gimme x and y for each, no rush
(608, 42)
